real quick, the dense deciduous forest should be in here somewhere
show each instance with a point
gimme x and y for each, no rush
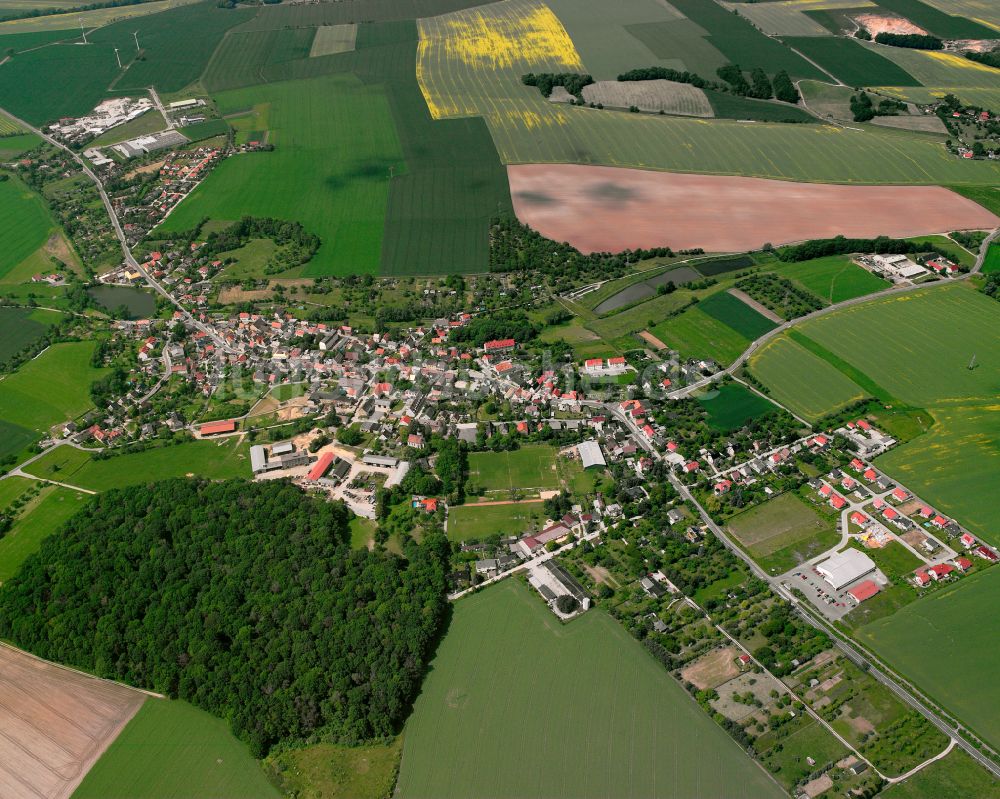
(840, 245)
(242, 598)
(914, 41)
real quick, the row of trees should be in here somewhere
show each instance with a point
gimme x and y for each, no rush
(864, 109)
(840, 245)
(573, 82)
(733, 80)
(991, 59)
(245, 599)
(914, 41)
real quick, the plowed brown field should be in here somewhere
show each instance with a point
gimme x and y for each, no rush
(597, 208)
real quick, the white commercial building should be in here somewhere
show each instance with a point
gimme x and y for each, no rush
(845, 568)
(590, 454)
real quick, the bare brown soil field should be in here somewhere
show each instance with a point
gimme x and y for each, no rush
(883, 23)
(651, 339)
(599, 208)
(54, 725)
(712, 669)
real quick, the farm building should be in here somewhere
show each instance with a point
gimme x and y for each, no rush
(863, 591)
(590, 454)
(321, 466)
(215, 428)
(845, 568)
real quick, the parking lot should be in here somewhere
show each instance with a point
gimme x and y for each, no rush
(832, 604)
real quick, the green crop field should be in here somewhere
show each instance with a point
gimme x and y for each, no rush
(172, 750)
(782, 18)
(334, 147)
(332, 39)
(69, 24)
(217, 460)
(69, 80)
(733, 405)
(802, 381)
(398, 193)
(737, 314)
(743, 44)
(956, 776)
(20, 327)
(938, 68)
(604, 36)
(467, 522)
(622, 324)
(695, 334)
(852, 63)
(464, 75)
(25, 224)
(680, 44)
(925, 342)
(13, 146)
(986, 196)
(41, 517)
(345, 12)
(533, 466)
(783, 532)
(52, 388)
(935, 21)
(241, 57)
(991, 263)
(833, 279)
(943, 644)
(548, 742)
(731, 106)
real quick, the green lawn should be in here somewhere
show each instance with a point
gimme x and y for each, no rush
(695, 334)
(25, 224)
(217, 460)
(38, 519)
(944, 643)
(171, 750)
(733, 405)
(531, 467)
(833, 279)
(737, 314)
(896, 561)
(783, 532)
(606, 720)
(52, 388)
(801, 380)
(467, 522)
(957, 776)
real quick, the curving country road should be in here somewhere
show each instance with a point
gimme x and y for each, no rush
(130, 259)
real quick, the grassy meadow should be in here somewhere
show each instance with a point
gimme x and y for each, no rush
(696, 334)
(940, 643)
(25, 224)
(548, 742)
(783, 532)
(20, 327)
(833, 279)
(39, 517)
(733, 405)
(217, 460)
(172, 750)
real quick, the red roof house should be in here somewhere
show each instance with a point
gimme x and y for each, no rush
(321, 466)
(214, 428)
(863, 591)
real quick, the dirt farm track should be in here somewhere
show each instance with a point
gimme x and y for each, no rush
(598, 208)
(54, 725)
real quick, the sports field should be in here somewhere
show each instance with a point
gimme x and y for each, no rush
(39, 518)
(783, 532)
(833, 279)
(52, 388)
(732, 311)
(621, 726)
(25, 225)
(217, 460)
(733, 405)
(531, 467)
(171, 750)
(852, 63)
(529, 129)
(466, 522)
(695, 334)
(802, 381)
(943, 643)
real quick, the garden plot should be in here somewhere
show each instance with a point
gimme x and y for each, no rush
(665, 96)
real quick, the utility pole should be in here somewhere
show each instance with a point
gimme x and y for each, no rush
(118, 59)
